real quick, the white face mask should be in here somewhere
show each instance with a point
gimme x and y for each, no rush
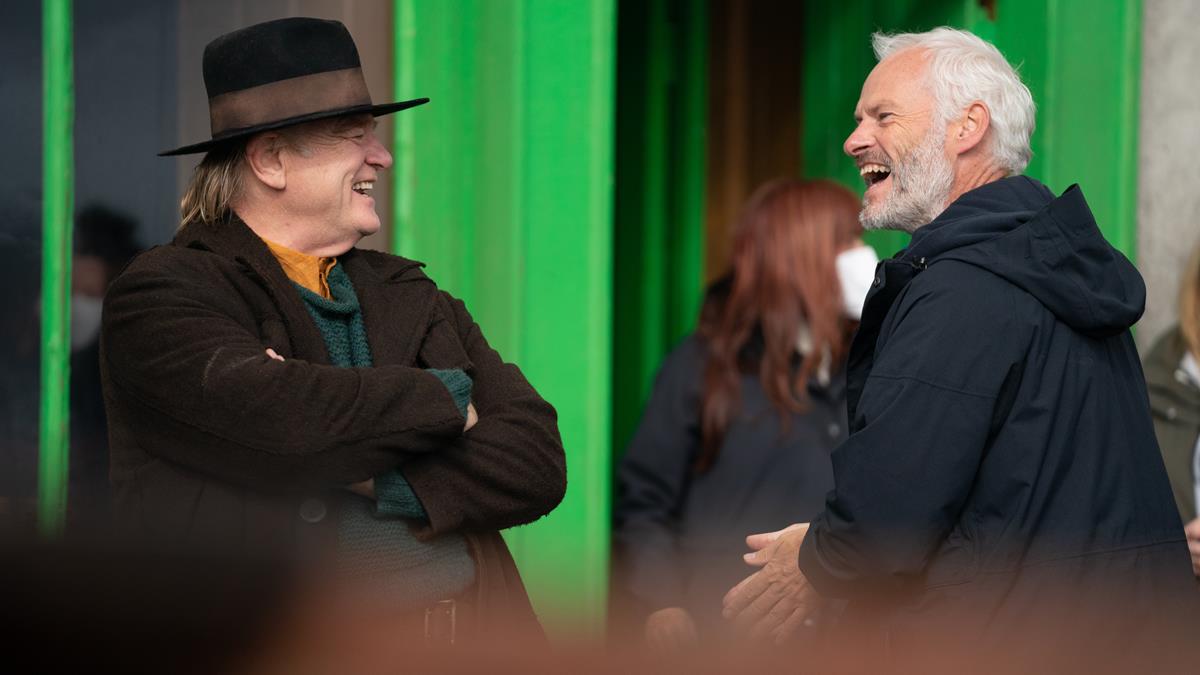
(85, 319)
(856, 271)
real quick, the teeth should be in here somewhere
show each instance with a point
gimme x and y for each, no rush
(872, 168)
(363, 186)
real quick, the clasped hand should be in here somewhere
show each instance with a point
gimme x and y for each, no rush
(777, 599)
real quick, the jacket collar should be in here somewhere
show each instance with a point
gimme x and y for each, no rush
(386, 286)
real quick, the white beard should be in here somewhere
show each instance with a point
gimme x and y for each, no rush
(921, 184)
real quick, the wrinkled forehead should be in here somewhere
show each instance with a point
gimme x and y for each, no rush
(900, 79)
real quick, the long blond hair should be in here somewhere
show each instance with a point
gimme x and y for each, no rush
(215, 184)
(1189, 304)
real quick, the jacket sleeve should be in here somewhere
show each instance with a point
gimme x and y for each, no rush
(192, 376)
(920, 431)
(652, 483)
(510, 468)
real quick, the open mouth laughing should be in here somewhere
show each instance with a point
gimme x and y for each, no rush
(363, 187)
(873, 174)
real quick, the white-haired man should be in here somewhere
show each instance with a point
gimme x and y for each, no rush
(1002, 473)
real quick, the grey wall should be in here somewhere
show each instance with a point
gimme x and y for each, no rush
(1169, 173)
(125, 93)
(21, 120)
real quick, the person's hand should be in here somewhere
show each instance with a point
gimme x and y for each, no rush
(774, 601)
(1192, 530)
(670, 629)
(365, 488)
(472, 417)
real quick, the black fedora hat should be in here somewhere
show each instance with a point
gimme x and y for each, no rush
(280, 73)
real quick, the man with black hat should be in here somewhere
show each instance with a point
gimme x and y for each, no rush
(270, 386)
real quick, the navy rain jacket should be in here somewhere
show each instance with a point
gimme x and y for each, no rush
(1002, 462)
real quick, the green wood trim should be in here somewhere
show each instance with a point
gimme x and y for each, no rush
(508, 176)
(659, 235)
(57, 196)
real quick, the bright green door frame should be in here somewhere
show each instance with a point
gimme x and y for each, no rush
(1087, 120)
(662, 106)
(58, 112)
(504, 188)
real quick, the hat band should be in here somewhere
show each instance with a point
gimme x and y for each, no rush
(285, 99)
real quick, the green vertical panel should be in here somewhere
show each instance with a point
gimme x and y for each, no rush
(1082, 66)
(641, 206)
(688, 178)
(509, 203)
(662, 102)
(567, 186)
(57, 185)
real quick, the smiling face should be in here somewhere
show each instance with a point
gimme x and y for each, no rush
(899, 146)
(330, 177)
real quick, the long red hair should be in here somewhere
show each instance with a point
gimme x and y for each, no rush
(783, 274)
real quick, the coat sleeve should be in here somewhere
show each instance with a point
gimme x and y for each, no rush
(652, 483)
(920, 432)
(193, 380)
(510, 468)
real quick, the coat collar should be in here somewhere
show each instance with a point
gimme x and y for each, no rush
(397, 298)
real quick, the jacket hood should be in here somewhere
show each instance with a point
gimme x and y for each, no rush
(1050, 247)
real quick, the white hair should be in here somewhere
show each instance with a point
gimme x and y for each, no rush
(963, 69)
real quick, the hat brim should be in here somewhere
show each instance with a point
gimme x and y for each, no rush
(234, 134)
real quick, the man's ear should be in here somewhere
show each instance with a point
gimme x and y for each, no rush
(262, 153)
(971, 128)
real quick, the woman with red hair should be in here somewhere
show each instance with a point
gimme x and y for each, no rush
(737, 435)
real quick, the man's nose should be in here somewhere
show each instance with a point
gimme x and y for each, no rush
(858, 141)
(377, 155)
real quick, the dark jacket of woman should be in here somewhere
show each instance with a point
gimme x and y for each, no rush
(1175, 403)
(680, 535)
(214, 442)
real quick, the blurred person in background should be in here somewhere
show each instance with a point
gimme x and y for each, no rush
(20, 329)
(270, 386)
(1173, 379)
(737, 433)
(105, 240)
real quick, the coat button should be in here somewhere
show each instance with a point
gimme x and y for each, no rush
(877, 282)
(312, 511)
(834, 430)
(1172, 413)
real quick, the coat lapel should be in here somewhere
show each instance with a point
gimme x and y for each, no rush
(397, 301)
(234, 240)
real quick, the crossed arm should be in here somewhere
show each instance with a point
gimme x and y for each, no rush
(186, 361)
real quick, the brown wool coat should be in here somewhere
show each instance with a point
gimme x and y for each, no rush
(214, 442)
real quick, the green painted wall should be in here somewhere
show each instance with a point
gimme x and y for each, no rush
(504, 188)
(662, 103)
(1081, 64)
